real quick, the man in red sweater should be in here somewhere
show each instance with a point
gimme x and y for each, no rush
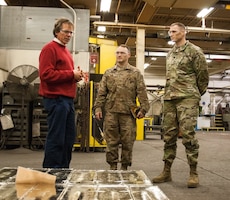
(58, 88)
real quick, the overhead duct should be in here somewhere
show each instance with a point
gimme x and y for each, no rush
(158, 27)
(74, 22)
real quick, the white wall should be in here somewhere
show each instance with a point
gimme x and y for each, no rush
(81, 59)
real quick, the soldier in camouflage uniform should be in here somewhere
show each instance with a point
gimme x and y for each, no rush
(186, 80)
(117, 93)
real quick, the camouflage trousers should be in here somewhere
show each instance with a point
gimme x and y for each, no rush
(119, 129)
(180, 116)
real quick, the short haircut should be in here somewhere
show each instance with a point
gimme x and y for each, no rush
(125, 46)
(182, 26)
(58, 25)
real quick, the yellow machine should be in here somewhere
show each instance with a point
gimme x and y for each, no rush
(95, 129)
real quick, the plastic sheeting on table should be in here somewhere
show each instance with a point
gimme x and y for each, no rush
(74, 184)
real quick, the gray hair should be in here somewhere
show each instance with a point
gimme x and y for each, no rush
(58, 25)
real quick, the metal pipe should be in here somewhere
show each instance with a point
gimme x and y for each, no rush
(118, 6)
(203, 23)
(158, 27)
(5, 70)
(154, 35)
(74, 28)
(116, 18)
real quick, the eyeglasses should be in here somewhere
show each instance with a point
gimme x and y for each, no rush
(67, 32)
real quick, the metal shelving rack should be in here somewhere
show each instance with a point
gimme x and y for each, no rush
(19, 134)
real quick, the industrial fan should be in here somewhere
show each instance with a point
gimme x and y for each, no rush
(20, 84)
(21, 81)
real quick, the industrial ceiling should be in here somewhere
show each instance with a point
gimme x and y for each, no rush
(212, 33)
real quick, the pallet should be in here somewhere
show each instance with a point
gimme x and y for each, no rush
(213, 129)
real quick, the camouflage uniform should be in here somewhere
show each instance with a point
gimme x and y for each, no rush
(186, 80)
(117, 93)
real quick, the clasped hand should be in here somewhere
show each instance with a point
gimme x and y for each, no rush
(78, 74)
(140, 115)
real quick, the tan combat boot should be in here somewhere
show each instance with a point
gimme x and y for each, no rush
(165, 176)
(193, 180)
(113, 166)
(124, 167)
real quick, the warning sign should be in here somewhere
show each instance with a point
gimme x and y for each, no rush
(93, 58)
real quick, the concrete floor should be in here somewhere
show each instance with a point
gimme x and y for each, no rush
(214, 164)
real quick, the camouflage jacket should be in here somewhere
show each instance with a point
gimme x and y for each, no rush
(186, 73)
(119, 89)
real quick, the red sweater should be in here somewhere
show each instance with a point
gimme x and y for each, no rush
(56, 71)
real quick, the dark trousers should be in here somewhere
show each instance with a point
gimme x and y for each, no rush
(61, 132)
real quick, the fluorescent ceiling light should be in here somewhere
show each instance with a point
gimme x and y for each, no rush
(204, 12)
(95, 17)
(146, 65)
(219, 57)
(153, 58)
(156, 54)
(101, 28)
(100, 36)
(3, 3)
(105, 5)
(207, 56)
